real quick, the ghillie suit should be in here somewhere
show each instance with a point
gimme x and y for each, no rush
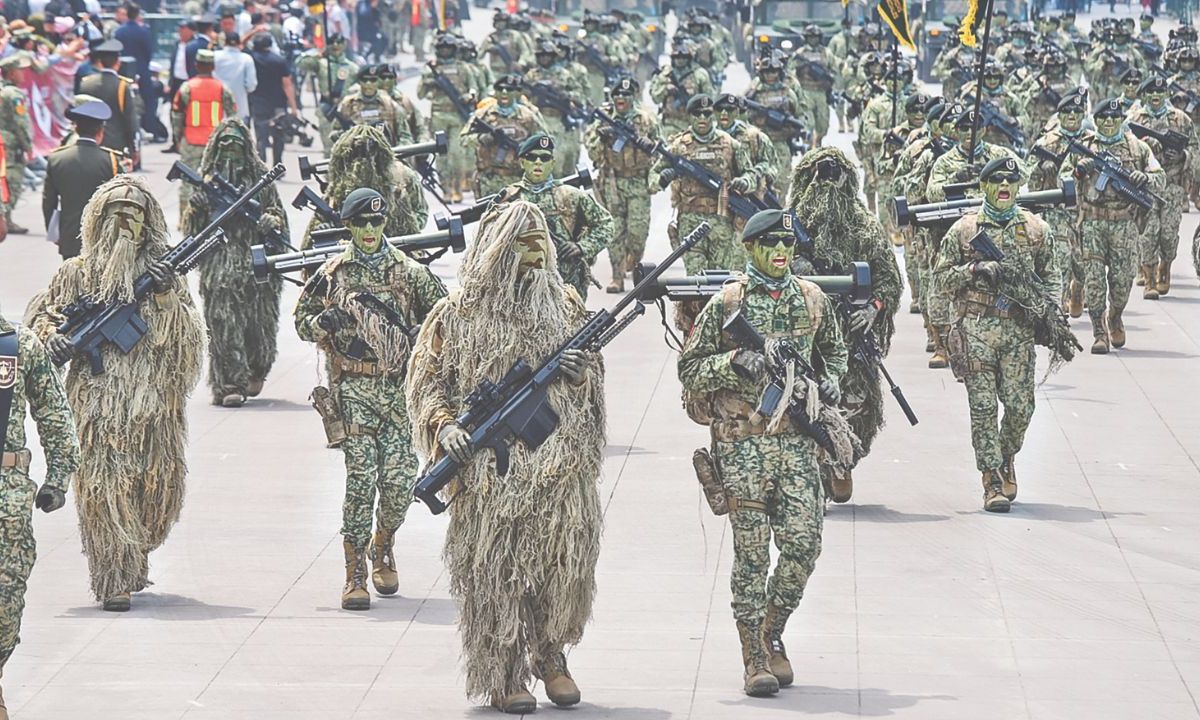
(362, 157)
(242, 315)
(844, 231)
(521, 550)
(131, 418)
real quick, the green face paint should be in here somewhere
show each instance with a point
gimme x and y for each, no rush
(774, 259)
(537, 167)
(366, 231)
(368, 86)
(1070, 121)
(1108, 126)
(1001, 192)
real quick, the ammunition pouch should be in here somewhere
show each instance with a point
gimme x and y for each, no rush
(331, 416)
(736, 429)
(1107, 213)
(981, 304)
(956, 347)
(709, 476)
(19, 460)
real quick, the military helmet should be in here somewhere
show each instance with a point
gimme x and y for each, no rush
(590, 18)
(993, 69)
(546, 47)
(682, 49)
(1188, 53)
(446, 40)
(812, 29)
(500, 18)
(768, 63)
(1021, 28)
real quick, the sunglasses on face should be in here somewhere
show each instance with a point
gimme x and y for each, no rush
(1014, 178)
(365, 220)
(702, 114)
(772, 240)
(622, 95)
(539, 157)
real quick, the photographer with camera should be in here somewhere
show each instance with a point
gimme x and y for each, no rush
(274, 97)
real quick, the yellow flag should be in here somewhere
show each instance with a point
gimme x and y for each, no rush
(895, 14)
(966, 31)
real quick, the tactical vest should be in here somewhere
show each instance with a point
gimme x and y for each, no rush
(204, 111)
(492, 158)
(776, 99)
(687, 195)
(455, 74)
(392, 289)
(630, 162)
(1027, 234)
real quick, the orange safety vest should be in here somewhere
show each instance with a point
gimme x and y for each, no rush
(204, 111)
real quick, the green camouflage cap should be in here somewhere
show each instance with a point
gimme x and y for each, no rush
(540, 141)
(363, 201)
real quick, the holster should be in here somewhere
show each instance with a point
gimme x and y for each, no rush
(331, 417)
(709, 476)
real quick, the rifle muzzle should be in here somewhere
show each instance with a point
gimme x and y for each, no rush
(856, 286)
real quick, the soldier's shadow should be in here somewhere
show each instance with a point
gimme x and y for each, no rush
(879, 514)
(817, 700)
(167, 606)
(585, 709)
(393, 608)
(1053, 512)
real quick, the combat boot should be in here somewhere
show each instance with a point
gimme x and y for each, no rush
(233, 400)
(777, 658)
(618, 282)
(1164, 278)
(515, 703)
(1100, 336)
(1075, 301)
(842, 487)
(121, 602)
(1008, 477)
(3, 711)
(930, 342)
(1140, 280)
(355, 595)
(254, 387)
(383, 563)
(1116, 328)
(1151, 290)
(560, 686)
(914, 308)
(759, 682)
(15, 229)
(993, 493)
(941, 357)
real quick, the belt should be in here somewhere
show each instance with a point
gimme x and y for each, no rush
(19, 459)
(1098, 212)
(634, 173)
(741, 428)
(345, 366)
(981, 304)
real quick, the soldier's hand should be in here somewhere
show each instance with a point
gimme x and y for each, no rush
(60, 348)
(332, 319)
(666, 177)
(830, 391)
(198, 200)
(267, 223)
(1087, 166)
(749, 364)
(570, 251)
(863, 318)
(966, 174)
(1140, 179)
(1171, 155)
(162, 275)
(574, 362)
(739, 186)
(606, 133)
(987, 269)
(456, 442)
(50, 498)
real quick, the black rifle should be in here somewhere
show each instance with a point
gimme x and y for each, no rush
(329, 109)
(1168, 139)
(582, 179)
(958, 191)
(308, 198)
(545, 95)
(945, 213)
(1052, 96)
(1043, 152)
(264, 265)
(991, 116)
(592, 56)
(504, 142)
(1151, 51)
(982, 244)
(818, 73)
(92, 324)
(516, 408)
(293, 128)
(461, 106)
(679, 95)
(625, 134)
(776, 118)
(222, 195)
(437, 146)
(855, 287)
(319, 284)
(864, 347)
(1114, 175)
(744, 335)
(742, 207)
(1120, 64)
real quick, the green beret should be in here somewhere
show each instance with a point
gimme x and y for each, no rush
(540, 141)
(774, 222)
(698, 103)
(362, 201)
(1072, 103)
(1004, 166)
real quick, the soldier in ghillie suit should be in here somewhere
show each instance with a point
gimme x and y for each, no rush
(131, 418)
(768, 466)
(27, 380)
(1004, 307)
(367, 353)
(824, 198)
(242, 314)
(361, 157)
(521, 550)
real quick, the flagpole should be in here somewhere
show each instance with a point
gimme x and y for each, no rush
(987, 33)
(895, 77)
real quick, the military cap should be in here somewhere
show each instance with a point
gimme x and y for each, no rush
(1153, 84)
(90, 110)
(1132, 75)
(368, 72)
(764, 222)
(698, 103)
(727, 101)
(1109, 108)
(965, 119)
(109, 47)
(204, 55)
(1147, 16)
(999, 168)
(626, 86)
(539, 141)
(510, 81)
(15, 61)
(1072, 103)
(363, 201)
(916, 103)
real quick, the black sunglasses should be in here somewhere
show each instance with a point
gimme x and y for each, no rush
(365, 220)
(772, 240)
(703, 113)
(539, 157)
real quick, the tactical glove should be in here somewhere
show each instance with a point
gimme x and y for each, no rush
(1139, 178)
(666, 177)
(574, 363)
(966, 173)
(332, 319)
(830, 391)
(50, 498)
(739, 186)
(749, 364)
(1086, 166)
(60, 348)
(864, 317)
(987, 269)
(162, 275)
(570, 251)
(267, 223)
(456, 442)
(198, 200)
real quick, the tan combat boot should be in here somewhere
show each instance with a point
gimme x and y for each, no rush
(519, 702)
(1150, 291)
(355, 595)
(1099, 336)
(930, 341)
(254, 387)
(560, 686)
(618, 277)
(1008, 477)
(1116, 328)
(383, 563)
(759, 682)
(777, 658)
(941, 357)
(121, 602)
(1075, 300)
(1164, 278)
(993, 493)
(842, 487)
(1140, 280)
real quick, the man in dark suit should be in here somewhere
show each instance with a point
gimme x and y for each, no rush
(119, 93)
(139, 44)
(73, 172)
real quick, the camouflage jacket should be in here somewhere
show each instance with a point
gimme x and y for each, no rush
(572, 215)
(782, 97)
(1132, 153)
(491, 155)
(378, 111)
(722, 155)
(343, 72)
(1043, 170)
(671, 91)
(953, 167)
(561, 77)
(763, 158)
(630, 162)
(1176, 165)
(507, 51)
(458, 74)
(15, 127)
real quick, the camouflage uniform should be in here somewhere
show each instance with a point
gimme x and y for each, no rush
(16, 131)
(875, 125)
(671, 91)
(495, 165)
(695, 203)
(444, 117)
(378, 110)
(763, 160)
(1101, 69)
(343, 71)
(816, 91)
(620, 187)
(517, 46)
(780, 96)
(34, 384)
(558, 75)
(613, 53)
(1062, 221)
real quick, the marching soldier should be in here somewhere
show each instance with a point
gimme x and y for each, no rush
(554, 71)
(333, 72)
(505, 49)
(729, 109)
(1044, 94)
(368, 106)
(711, 53)
(16, 131)
(599, 48)
(496, 160)
(1106, 60)
(876, 124)
(73, 172)
(816, 67)
(410, 115)
(672, 88)
(200, 105)
(367, 384)
(1131, 80)
(622, 177)
(450, 106)
(579, 227)
(1007, 104)
(120, 94)
(770, 89)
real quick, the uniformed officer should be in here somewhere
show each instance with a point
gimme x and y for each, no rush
(17, 133)
(496, 161)
(73, 172)
(333, 71)
(119, 93)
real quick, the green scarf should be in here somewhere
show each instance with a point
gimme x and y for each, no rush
(773, 284)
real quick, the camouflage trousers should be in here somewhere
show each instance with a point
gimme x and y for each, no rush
(871, 181)
(779, 472)
(456, 165)
(783, 168)
(719, 251)
(912, 263)
(15, 175)
(189, 155)
(566, 146)
(1160, 241)
(628, 202)
(378, 451)
(936, 304)
(243, 322)
(818, 102)
(17, 553)
(1065, 227)
(996, 360)
(1107, 254)
(596, 82)
(325, 129)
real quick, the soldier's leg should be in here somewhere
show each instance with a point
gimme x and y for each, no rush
(1093, 245)
(980, 375)
(17, 555)
(870, 181)
(742, 465)
(783, 169)
(1121, 260)
(820, 108)
(262, 333)
(566, 152)
(618, 248)
(189, 155)
(1146, 254)
(16, 188)
(397, 478)
(1017, 364)
(361, 452)
(325, 128)
(637, 220)
(225, 315)
(797, 518)
(1168, 240)
(696, 259)
(840, 108)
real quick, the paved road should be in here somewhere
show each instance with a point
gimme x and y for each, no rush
(1084, 602)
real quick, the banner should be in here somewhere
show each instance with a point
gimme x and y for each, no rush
(49, 94)
(966, 31)
(895, 14)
